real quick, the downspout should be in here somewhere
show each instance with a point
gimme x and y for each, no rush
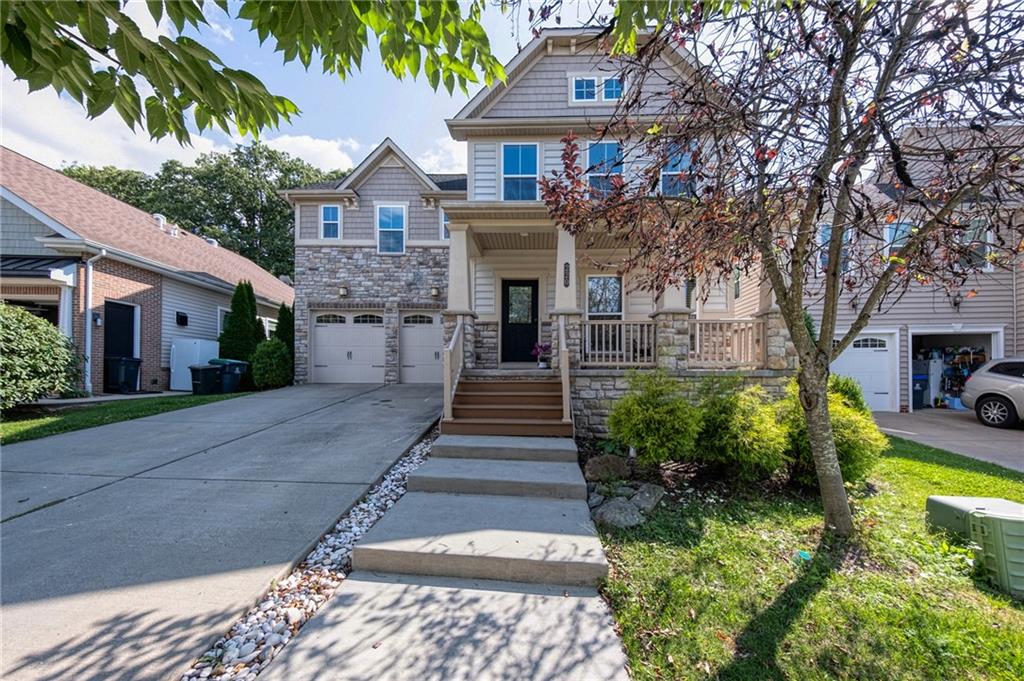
(87, 373)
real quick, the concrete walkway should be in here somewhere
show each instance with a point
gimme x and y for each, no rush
(960, 432)
(138, 543)
(477, 573)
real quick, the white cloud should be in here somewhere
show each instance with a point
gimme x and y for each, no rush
(221, 31)
(55, 130)
(139, 13)
(327, 154)
(446, 156)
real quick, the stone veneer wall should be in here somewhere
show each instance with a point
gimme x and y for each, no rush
(391, 283)
(594, 391)
(486, 345)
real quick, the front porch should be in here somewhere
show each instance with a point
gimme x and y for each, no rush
(515, 281)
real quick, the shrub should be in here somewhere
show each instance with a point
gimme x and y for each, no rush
(859, 442)
(36, 359)
(271, 365)
(242, 330)
(654, 418)
(739, 432)
(849, 389)
(285, 329)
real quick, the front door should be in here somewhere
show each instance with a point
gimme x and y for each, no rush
(118, 330)
(518, 319)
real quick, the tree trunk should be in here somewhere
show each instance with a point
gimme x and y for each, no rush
(813, 382)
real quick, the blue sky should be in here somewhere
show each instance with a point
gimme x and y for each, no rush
(341, 121)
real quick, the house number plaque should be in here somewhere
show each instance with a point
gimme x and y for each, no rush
(565, 275)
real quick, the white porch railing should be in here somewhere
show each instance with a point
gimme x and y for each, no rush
(726, 343)
(616, 343)
(451, 361)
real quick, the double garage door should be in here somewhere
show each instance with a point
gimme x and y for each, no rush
(349, 347)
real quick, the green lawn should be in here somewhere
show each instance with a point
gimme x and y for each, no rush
(711, 585)
(29, 423)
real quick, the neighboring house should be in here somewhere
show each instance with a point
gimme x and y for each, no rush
(404, 276)
(116, 280)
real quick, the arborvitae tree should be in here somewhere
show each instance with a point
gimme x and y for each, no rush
(286, 328)
(242, 331)
(258, 331)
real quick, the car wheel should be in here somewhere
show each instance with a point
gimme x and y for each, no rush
(996, 411)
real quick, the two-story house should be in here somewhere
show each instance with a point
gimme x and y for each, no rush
(408, 277)
(405, 276)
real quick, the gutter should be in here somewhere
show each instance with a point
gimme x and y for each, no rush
(87, 372)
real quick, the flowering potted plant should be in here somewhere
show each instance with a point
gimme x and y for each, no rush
(542, 351)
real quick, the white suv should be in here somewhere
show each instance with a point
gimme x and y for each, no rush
(996, 392)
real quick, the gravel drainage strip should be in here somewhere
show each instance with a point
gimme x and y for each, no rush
(254, 640)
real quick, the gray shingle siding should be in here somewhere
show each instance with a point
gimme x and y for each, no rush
(19, 231)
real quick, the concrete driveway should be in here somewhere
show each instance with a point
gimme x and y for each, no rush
(128, 548)
(960, 432)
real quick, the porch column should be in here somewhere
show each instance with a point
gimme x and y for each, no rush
(565, 274)
(672, 329)
(458, 270)
(65, 302)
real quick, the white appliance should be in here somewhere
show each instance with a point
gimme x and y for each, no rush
(184, 353)
(935, 367)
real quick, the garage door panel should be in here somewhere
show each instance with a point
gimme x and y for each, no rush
(420, 343)
(871, 360)
(347, 352)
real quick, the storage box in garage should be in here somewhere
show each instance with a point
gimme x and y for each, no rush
(953, 514)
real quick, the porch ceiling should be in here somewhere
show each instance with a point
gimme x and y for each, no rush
(515, 241)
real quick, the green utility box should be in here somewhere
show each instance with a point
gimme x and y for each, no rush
(1000, 538)
(953, 514)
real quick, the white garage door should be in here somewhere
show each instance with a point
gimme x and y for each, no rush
(872, 360)
(419, 347)
(348, 348)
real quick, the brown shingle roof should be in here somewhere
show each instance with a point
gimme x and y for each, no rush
(100, 218)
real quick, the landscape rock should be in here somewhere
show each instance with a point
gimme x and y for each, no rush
(624, 491)
(605, 468)
(647, 497)
(595, 500)
(618, 512)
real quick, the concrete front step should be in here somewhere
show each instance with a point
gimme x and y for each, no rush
(560, 480)
(505, 447)
(471, 536)
(404, 628)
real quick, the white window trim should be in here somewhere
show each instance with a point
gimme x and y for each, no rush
(320, 220)
(440, 229)
(404, 205)
(989, 235)
(501, 170)
(220, 318)
(598, 79)
(622, 295)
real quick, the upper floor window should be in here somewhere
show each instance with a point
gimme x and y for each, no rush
(824, 236)
(675, 174)
(603, 162)
(330, 222)
(584, 89)
(899, 233)
(737, 278)
(612, 89)
(391, 229)
(519, 172)
(976, 238)
(445, 220)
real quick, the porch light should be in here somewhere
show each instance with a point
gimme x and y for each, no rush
(434, 292)
(343, 291)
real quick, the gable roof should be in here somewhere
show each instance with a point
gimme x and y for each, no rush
(95, 217)
(370, 163)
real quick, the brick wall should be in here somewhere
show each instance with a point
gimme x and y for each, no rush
(375, 282)
(119, 282)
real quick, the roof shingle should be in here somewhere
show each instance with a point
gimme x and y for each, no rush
(101, 218)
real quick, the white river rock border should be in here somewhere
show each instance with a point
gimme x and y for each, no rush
(255, 639)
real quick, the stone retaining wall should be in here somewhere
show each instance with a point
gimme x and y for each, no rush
(594, 391)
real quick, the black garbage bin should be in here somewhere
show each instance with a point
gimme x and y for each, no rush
(205, 379)
(232, 371)
(121, 374)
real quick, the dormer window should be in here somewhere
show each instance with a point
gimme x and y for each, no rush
(584, 89)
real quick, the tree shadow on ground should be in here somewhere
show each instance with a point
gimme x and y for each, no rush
(757, 646)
